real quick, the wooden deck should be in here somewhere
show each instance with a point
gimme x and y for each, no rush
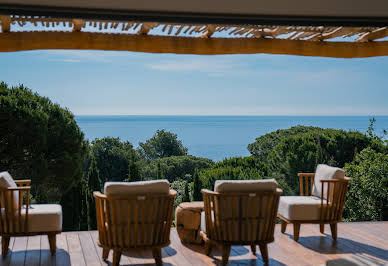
(368, 239)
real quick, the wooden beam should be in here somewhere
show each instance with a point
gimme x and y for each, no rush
(78, 23)
(21, 41)
(5, 23)
(373, 35)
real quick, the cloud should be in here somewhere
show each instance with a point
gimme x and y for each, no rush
(212, 66)
(85, 55)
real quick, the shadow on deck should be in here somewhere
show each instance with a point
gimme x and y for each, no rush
(367, 240)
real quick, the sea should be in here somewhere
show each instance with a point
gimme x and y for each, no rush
(214, 137)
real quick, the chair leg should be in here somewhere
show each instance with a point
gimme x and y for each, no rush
(296, 231)
(225, 254)
(116, 257)
(4, 245)
(284, 226)
(157, 254)
(105, 253)
(264, 253)
(322, 228)
(253, 248)
(208, 247)
(52, 238)
(333, 228)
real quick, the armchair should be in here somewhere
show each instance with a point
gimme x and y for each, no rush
(20, 218)
(321, 201)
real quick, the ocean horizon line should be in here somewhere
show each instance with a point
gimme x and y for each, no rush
(180, 115)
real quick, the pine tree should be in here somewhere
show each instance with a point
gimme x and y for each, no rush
(197, 186)
(186, 195)
(93, 184)
(160, 174)
(84, 220)
(133, 170)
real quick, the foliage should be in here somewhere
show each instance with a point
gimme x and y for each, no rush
(238, 168)
(197, 186)
(162, 144)
(186, 195)
(133, 170)
(41, 141)
(174, 167)
(112, 158)
(264, 144)
(179, 186)
(93, 184)
(367, 198)
(302, 153)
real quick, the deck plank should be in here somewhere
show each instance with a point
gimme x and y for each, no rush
(88, 249)
(45, 255)
(33, 251)
(368, 239)
(19, 251)
(62, 257)
(74, 249)
(7, 260)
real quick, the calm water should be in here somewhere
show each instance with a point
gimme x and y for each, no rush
(214, 137)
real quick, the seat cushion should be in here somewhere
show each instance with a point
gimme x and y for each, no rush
(325, 172)
(122, 189)
(44, 217)
(6, 181)
(300, 207)
(245, 185)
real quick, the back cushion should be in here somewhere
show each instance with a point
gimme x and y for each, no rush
(6, 181)
(122, 189)
(325, 172)
(245, 185)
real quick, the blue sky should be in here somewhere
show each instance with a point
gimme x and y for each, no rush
(98, 82)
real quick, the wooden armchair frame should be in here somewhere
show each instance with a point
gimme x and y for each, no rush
(240, 219)
(331, 208)
(12, 222)
(147, 224)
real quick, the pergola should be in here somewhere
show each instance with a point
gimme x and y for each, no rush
(343, 29)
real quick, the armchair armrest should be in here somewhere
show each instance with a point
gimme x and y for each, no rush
(23, 182)
(19, 188)
(304, 179)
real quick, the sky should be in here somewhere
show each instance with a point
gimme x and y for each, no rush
(126, 83)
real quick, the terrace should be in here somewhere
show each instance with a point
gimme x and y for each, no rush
(367, 240)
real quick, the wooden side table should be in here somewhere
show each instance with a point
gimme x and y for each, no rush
(188, 221)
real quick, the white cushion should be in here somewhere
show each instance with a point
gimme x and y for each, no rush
(300, 207)
(245, 185)
(325, 172)
(44, 217)
(122, 189)
(6, 181)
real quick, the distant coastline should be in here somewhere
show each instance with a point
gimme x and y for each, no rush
(214, 137)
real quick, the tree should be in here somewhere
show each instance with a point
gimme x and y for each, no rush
(72, 200)
(160, 174)
(237, 168)
(264, 144)
(367, 198)
(93, 184)
(133, 171)
(41, 140)
(162, 144)
(197, 186)
(112, 157)
(302, 152)
(175, 167)
(186, 195)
